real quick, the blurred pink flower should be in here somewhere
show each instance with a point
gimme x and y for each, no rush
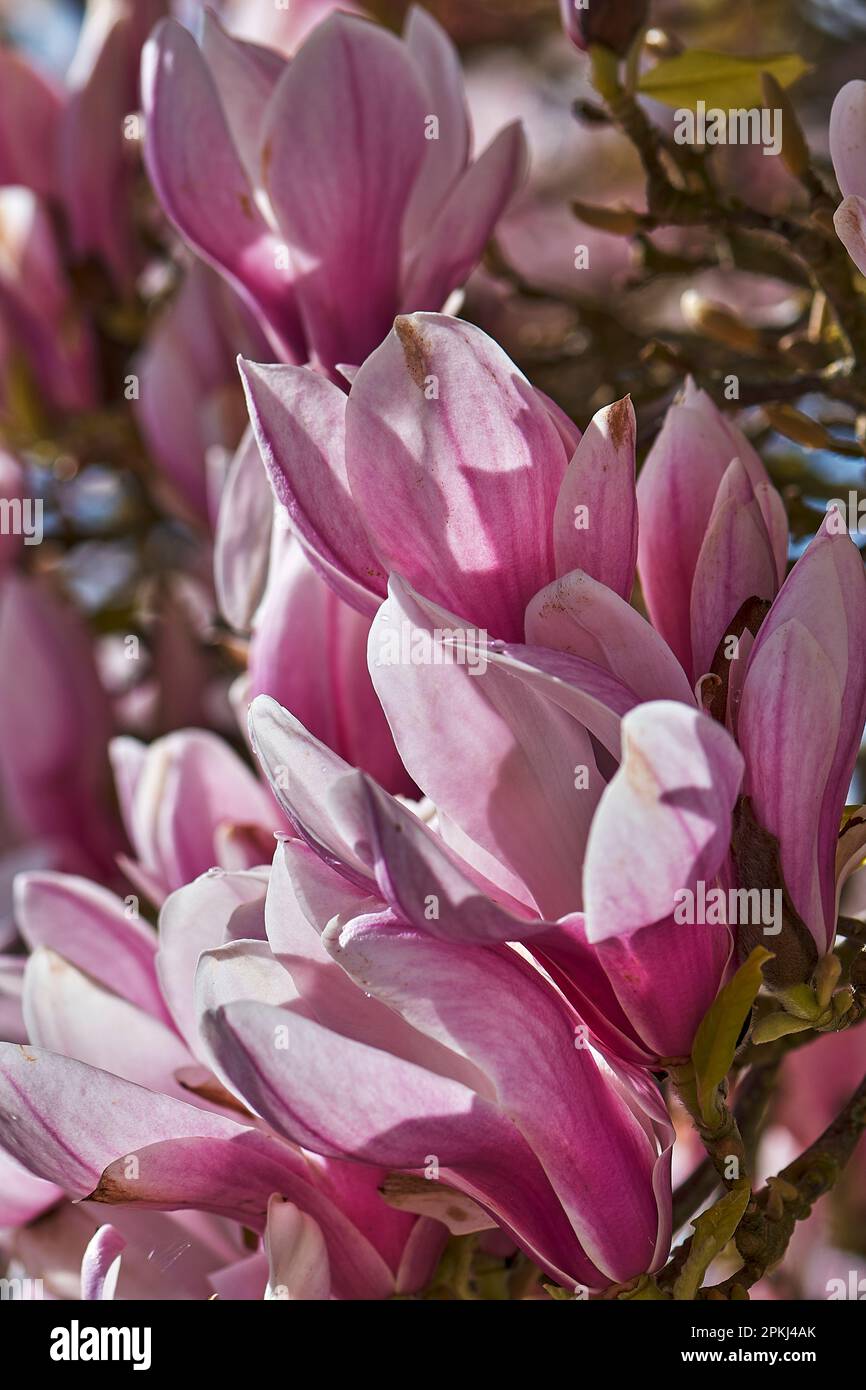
(54, 771)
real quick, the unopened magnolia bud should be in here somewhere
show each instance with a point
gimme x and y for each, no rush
(612, 23)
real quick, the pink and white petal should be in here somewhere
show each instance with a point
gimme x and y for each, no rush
(590, 693)
(193, 919)
(826, 592)
(245, 75)
(23, 1196)
(446, 156)
(425, 882)
(339, 176)
(849, 219)
(317, 790)
(210, 201)
(676, 493)
(666, 977)
(69, 1013)
(790, 691)
(298, 418)
(237, 1178)
(848, 138)
(65, 1121)
(100, 1266)
(507, 1018)
(193, 786)
(454, 464)
(329, 691)
(94, 930)
(304, 896)
(579, 616)
(576, 968)
(736, 563)
(298, 1266)
(242, 543)
(595, 522)
(664, 821)
(565, 426)
(341, 1097)
(497, 757)
(244, 1281)
(454, 241)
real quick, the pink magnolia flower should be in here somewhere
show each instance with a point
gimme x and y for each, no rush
(442, 464)
(806, 655)
(848, 150)
(712, 534)
(54, 772)
(519, 1120)
(514, 746)
(329, 219)
(101, 992)
(189, 803)
(547, 552)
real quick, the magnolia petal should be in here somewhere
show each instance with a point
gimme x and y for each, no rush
(790, 691)
(210, 201)
(664, 821)
(849, 220)
(298, 418)
(508, 1020)
(587, 620)
(339, 179)
(464, 220)
(242, 542)
(245, 75)
(519, 776)
(67, 1012)
(94, 930)
(454, 464)
(446, 156)
(297, 1254)
(848, 138)
(100, 1266)
(595, 522)
(66, 1121)
(735, 564)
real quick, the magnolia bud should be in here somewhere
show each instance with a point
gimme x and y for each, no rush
(612, 23)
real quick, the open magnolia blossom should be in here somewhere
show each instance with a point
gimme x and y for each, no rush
(329, 219)
(432, 682)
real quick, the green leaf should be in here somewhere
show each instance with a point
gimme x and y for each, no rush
(719, 79)
(716, 1038)
(712, 1230)
(645, 1291)
(773, 1026)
